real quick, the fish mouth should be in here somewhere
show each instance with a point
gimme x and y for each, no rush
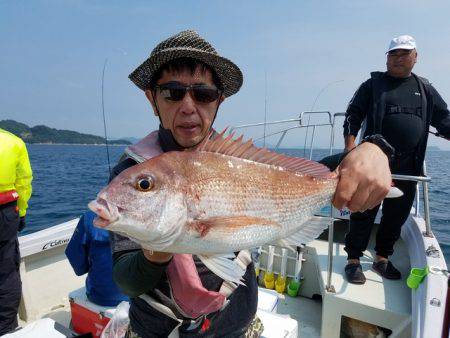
(107, 213)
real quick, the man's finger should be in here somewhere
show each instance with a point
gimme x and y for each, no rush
(359, 199)
(345, 189)
(374, 199)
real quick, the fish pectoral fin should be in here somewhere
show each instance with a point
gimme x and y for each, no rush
(204, 225)
(285, 243)
(310, 230)
(225, 267)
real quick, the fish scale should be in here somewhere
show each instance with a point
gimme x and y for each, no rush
(253, 191)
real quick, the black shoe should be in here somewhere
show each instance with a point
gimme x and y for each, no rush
(386, 269)
(354, 273)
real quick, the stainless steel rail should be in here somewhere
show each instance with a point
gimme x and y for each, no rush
(301, 124)
(329, 287)
(426, 206)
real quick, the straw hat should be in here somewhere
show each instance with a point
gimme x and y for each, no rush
(188, 44)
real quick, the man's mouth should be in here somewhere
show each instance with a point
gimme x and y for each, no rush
(188, 127)
(107, 213)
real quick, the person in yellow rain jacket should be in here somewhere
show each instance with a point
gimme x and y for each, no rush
(15, 191)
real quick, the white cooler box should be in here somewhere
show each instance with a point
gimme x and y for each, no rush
(275, 325)
(278, 326)
(267, 300)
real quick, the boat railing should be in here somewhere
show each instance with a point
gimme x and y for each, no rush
(424, 180)
(303, 121)
(300, 123)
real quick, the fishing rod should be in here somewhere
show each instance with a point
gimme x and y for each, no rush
(312, 109)
(104, 119)
(103, 107)
(265, 106)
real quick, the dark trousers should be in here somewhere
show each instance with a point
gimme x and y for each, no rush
(394, 213)
(10, 283)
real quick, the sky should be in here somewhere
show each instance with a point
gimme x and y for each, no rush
(296, 56)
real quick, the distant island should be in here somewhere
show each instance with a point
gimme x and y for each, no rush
(47, 135)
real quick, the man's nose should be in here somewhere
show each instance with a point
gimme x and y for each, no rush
(188, 103)
(402, 57)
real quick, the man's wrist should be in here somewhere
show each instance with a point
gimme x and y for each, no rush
(349, 149)
(381, 142)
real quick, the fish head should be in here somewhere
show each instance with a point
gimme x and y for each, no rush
(145, 203)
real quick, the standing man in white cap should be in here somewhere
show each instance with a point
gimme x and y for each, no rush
(185, 81)
(397, 108)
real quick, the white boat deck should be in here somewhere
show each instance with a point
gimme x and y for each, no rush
(307, 312)
(381, 302)
(379, 293)
(386, 303)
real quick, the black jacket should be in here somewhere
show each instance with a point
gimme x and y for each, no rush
(372, 111)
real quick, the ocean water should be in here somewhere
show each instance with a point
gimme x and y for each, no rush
(67, 177)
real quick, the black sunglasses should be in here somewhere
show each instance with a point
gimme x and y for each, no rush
(174, 91)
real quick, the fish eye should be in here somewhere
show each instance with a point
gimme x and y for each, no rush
(144, 184)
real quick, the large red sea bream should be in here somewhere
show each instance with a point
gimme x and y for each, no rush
(223, 197)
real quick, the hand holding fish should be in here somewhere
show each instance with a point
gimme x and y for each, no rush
(364, 178)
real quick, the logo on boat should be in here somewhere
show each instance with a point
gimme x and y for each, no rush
(341, 213)
(55, 243)
(344, 212)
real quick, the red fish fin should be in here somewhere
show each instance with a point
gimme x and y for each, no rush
(203, 226)
(247, 150)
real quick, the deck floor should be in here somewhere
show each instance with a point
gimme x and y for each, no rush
(381, 302)
(377, 292)
(307, 312)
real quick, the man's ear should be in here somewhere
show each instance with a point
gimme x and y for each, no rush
(221, 99)
(150, 98)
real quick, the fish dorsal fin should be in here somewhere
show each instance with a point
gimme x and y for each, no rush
(218, 143)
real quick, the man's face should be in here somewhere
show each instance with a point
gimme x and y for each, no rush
(400, 62)
(187, 118)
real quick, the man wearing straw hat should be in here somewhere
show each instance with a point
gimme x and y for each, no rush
(185, 80)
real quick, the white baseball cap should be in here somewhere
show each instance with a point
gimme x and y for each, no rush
(402, 42)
